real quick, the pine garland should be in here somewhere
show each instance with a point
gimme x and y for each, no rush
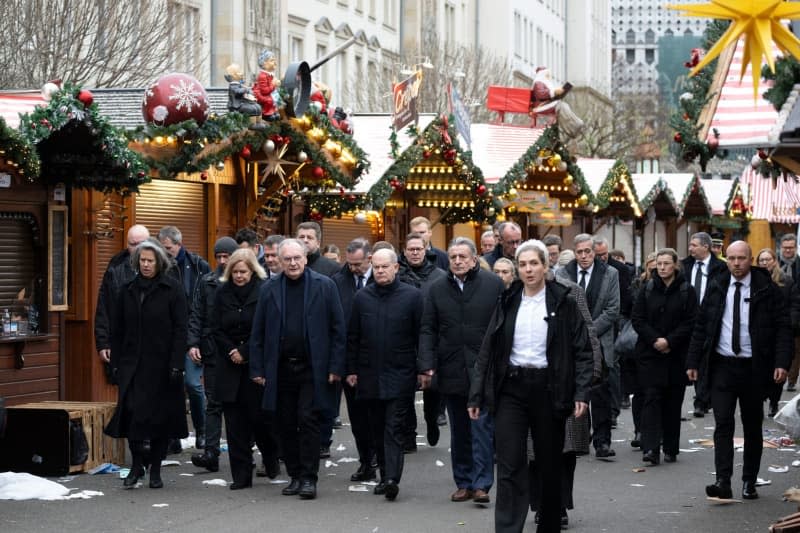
(107, 164)
(785, 77)
(691, 103)
(19, 152)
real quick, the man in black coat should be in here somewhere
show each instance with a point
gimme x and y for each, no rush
(382, 361)
(118, 273)
(510, 236)
(311, 235)
(417, 269)
(699, 267)
(297, 351)
(458, 308)
(422, 226)
(742, 342)
(790, 266)
(354, 276)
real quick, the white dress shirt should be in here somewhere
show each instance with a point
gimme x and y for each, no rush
(366, 275)
(588, 274)
(704, 278)
(725, 347)
(529, 348)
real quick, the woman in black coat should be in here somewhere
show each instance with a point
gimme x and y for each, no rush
(663, 317)
(533, 370)
(147, 356)
(234, 308)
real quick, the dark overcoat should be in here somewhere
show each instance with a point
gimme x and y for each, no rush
(325, 335)
(769, 327)
(453, 325)
(666, 311)
(149, 341)
(233, 323)
(382, 340)
(570, 360)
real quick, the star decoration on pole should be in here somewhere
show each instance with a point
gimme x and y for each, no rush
(275, 164)
(758, 21)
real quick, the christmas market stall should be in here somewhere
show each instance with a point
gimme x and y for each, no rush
(546, 188)
(434, 177)
(615, 206)
(694, 209)
(730, 211)
(660, 211)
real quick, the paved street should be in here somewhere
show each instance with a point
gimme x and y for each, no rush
(609, 496)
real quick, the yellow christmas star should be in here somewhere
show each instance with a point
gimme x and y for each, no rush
(760, 23)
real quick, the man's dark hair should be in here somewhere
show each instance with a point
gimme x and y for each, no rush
(788, 237)
(550, 240)
(273, 240)
(359, 244)
(310, 225)
(246, 235)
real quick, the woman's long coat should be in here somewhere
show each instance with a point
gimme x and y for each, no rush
(150, 329)
(233, 322)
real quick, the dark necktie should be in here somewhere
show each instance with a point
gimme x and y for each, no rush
(360, 284)
(698, 281)
(583, 279)
(737, 319)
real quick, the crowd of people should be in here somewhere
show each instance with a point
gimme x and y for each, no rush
(530, 348)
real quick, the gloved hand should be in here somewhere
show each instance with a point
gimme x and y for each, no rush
(176, 377)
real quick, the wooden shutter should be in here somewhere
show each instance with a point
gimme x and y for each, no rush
(175, 203)
(111, 242)
(17, 256)
(341, 231)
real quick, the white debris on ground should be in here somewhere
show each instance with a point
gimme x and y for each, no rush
(23, 486)
(216, 482)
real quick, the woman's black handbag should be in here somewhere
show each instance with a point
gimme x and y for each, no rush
(625, 344)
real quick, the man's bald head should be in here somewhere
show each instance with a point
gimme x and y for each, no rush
(137, 234)
(740, 257)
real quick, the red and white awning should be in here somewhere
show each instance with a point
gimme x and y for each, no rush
(772, 201)
(14, 103)
(496, 148)
(741, 120)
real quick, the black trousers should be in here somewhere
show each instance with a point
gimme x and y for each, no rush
(244, 421)
(432, 406)
(630, 385)
(732, 379)
(359, 425)
(213, 410)
(524, 405)
(387, 420)
(661, 418)
(298, 421)
(601, 414)
(569, 460)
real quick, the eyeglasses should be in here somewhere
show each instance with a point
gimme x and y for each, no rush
(293, 259)
(513, 243)
(415, 250)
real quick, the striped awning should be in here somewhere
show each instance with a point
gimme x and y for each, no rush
(741, 121)
(496, 148)
(773, 201)
(12, 104)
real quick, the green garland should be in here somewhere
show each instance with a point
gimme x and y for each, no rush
(518, 173)
(786, 75)
(14, 147)
(439, 134)
(109, 165)
(619, 172)
(685, 120)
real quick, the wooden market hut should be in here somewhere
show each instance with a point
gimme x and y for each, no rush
(694, 209)
(729, 207)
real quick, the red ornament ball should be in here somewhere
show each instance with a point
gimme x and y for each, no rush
(762, 154)
(315, 215)
(677, 138)
(204, 175)
(85, 97)
(426, 154)
(481, 190)
(174, 98)
(713, 142)
(318, 173)
(245, 152)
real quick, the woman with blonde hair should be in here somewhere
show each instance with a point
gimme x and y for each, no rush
(234, 308)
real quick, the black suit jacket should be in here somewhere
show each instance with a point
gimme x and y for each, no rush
(716, 267)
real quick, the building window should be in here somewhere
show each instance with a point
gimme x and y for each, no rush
(650, 55)
(295, 48)
(630, 56)
(650, 37)
(449, 23)
(184, 41)
(322, 50)
(517, 34)
(630, 37)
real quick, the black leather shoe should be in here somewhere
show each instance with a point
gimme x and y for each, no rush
(749, 490)
(773, 410)
(652, 457)
(272, 468)
(604, 451)
(564, 519)
(206, 460)
(433, 434)
(337, 423)
(133, 477)
(364, 473)
(625, 403)
(324, 452)
(379, 489)
(670, 457)
(410, 447)
(308, 489)
(613, 422)
(239, 485)
(636, 442)
(292, 489)
(174, 447)
(441, 420)
(391, 490)
(155, 481)
(699, 412)
(721, 489)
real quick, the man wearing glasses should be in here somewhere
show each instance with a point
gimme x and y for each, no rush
(297, 352)
(510, 237)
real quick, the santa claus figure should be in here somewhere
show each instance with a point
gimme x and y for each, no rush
(547, 105)
(266, 86)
